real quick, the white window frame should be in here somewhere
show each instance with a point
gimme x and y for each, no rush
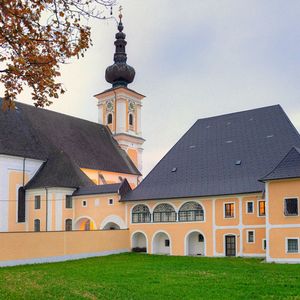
(263, 244)
(71, 202)
(251, 230)
(35, 202)
(250, 213)
(261, 200)
(224, 210)
(286, 245)
(82, 203)
(290, 216)
(108, 202)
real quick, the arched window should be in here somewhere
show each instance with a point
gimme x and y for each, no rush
(141, 214)
(130, 120)
(191, 211)
(68, 225)
(164, 213)
(109, 119)
(37, 225)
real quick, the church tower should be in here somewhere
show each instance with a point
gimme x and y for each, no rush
(120, 107)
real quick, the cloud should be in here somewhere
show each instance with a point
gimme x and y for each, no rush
(194, 59)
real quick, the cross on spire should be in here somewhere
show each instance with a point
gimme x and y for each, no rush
(120, 12)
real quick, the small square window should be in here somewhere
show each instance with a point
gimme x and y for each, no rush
(69, 203)
(110, 201)
(250, 207)
(229, 210)
(250, 236)
(261, 208)
(37, 202)
(84, 203)
(291, 207)
(167, 243)
(292, 245)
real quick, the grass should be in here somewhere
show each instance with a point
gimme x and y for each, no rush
(140, 276)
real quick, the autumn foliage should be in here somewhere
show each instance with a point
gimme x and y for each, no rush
(36, 36)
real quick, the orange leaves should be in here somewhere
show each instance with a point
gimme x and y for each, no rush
(36, 36)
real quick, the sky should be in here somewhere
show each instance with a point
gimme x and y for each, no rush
(193, 59)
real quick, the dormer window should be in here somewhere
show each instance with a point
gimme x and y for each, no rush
(109, 119)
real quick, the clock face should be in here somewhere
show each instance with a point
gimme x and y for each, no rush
(131, 106)
(109, 106)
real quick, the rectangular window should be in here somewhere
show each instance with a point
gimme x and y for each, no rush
(111, 201)
(250, 207)
(291, 207)
(229, 210)
(264, 244)
(37, 225)
(250, 238)
(21, 205)
(69, 203)
(292, 245)
(84, 203)
(37, 202)
(167, 243)
(261, 208)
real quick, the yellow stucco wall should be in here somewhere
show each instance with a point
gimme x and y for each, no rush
(282, 227)
(47, 244)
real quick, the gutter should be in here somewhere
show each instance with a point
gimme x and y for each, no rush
(46, 208)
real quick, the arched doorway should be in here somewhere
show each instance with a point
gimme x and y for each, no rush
(139, 242)
(111, 226)
(85, 224)
(195, 244)
(112, 222)
(161, 243)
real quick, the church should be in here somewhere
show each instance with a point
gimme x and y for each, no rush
(229, 187)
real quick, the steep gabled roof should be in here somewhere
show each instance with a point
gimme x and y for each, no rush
(36, 133)
(288, 167)
(59, 171)
(221, 155)
(121, 188)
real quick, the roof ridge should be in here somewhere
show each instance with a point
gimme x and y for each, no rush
(280, 162)
(59, 113)
(240, 112)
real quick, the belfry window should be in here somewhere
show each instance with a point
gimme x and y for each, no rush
(109, 119)
(130, 120)
(191, 211)
(141, 214)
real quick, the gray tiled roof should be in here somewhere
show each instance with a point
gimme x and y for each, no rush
(59, 171)
(120, 188)
(288, 167)
(206, 159)
(36, 133)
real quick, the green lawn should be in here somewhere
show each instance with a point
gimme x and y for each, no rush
(140, 276)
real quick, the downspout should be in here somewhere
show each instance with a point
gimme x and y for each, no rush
(46, 208)
(24, 158)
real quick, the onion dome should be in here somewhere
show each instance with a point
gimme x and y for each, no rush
(120, 74)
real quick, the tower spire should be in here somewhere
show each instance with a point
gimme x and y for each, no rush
(120, 73)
